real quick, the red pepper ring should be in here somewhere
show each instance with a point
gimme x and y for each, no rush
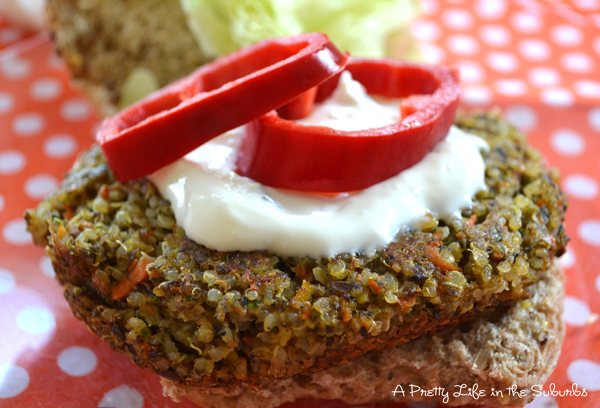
(217, 97)
(283, 154)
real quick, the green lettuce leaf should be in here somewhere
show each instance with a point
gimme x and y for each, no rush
(362, 27)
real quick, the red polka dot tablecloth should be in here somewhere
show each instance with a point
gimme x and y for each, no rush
(537, 60)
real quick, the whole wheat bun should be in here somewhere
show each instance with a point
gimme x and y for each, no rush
(494, 353)
(103, 41)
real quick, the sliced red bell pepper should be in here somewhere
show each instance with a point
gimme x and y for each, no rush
(217, 97)
(300, 106)
(283, 154)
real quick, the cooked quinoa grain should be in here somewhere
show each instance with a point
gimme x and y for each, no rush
(204, 317)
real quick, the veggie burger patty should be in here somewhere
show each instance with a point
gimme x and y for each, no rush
(205, 317)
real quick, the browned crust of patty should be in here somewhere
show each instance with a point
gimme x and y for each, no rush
(493, 353)
(80, 288)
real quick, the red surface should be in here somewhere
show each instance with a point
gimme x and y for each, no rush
(560, 110)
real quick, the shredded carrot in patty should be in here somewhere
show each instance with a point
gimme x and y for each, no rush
(346, 312)
(375, 286)
(137, 273)
(472, 220)
(433, 254)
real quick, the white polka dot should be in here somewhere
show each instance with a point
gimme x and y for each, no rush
(40, 185)
(543, 76)
(15, 232)
(495, 35)
(567, 142)
(122, 397)
(511, 87)
(9, 36)
(576, 311)
(60, 146)
(457, 19)
(470, 71)
(36, 320)
(46, 89)
(75, 110)
(589, 232)
(542, 401)
(568, 259)
(425, 30)
(587, 5)
(598, 283)
(430, 6)
(1, 202)
(534, 49)
(581, 186)
(594, 118)
(587, 89)
(585, 373)
(15, 68)
(566, 35)
(502, 62)
(11, 161)
(526, 23)
(77, 361)
(432, 53)
(477, 95)
(13, 380)
(557, 97)
(7, 102)
(490, 9)
(7, 281)
(28, 124)
(577, 62)
(522, 116)
(46, 267)
(461, 44)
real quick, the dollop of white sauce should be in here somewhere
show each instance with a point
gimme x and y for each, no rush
(350, 108)
(224, 211)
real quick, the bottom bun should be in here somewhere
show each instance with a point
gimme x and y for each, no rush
(517, 348)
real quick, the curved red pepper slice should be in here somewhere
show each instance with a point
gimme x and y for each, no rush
(217, 97)
(283, 154)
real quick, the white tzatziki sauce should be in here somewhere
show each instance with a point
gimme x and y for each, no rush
(224, 211)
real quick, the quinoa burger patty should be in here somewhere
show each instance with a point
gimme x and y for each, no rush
(208, 318)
